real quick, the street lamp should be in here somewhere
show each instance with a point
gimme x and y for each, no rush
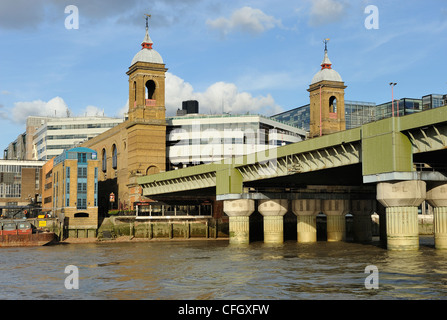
(392, 84)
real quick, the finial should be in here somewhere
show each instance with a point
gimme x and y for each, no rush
(147, 20)
(147, 42)
(326, 64)
(325, 41)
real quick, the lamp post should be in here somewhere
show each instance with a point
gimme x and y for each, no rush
(392, 84)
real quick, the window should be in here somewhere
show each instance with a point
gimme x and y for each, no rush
(82, 172)
(114, 157)
(104, 160)
(333, 104)
(82, 187)
(81, 214)
(82, 157)
(81, 204)
(150, 86)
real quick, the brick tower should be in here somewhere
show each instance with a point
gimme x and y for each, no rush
(327, 102)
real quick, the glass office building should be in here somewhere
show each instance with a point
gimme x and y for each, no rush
(433, 101)
(401, 107)
(357, 113)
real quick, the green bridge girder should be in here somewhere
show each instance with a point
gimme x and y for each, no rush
(385, 146)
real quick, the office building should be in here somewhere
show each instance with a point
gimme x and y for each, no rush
(20, 183)
(197, 139)
(75, 175)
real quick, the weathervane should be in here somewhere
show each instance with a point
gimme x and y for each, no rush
(147, 20)
(325, 41)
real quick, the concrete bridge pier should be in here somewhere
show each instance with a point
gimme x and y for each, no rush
(273, 212)
(401, 200)
(335, 211)
(239, 212)
(437, 198)
(306, 211)
(362, 224)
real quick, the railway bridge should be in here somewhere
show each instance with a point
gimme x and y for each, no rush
(395, 163)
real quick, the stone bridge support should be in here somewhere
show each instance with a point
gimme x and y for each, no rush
(335, 211)
(437, 197)
(362, 224)
(306, 211)
(273, 212)
(239, 212)
(401, 200)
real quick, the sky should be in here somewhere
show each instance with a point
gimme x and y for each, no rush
(236, 56)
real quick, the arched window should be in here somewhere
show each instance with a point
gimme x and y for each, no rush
(81, 215)
(152, 170)
(150, 89)
(104, 160)
(114, 157)
(333, 104)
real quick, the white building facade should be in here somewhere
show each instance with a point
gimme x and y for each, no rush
(58, 134)
(196, 139)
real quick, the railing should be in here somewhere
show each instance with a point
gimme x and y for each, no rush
(148, 102)
(420, 166)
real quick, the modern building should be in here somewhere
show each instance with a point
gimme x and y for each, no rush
(58, 134)
(196, 139)
(431, 101)
(20, 184)
(356, 114)
(359, 112)
(47, 137)
(75, 176)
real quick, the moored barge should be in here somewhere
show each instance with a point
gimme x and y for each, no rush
(21, 233)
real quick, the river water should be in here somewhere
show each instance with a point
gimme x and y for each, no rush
(214, 270)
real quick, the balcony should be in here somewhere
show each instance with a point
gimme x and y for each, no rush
(332, 115)
(149, 103)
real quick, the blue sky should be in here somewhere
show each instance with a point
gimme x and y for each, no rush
(237, 56)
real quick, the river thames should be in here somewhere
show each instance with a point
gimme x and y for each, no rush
(214, 270)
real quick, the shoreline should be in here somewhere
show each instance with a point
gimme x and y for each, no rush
(124, 239)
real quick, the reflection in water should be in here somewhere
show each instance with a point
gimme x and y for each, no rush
(218, 270)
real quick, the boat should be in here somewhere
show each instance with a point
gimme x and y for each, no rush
(21, 233)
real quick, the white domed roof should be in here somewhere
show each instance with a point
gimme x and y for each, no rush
(147, 55)
(326, 74)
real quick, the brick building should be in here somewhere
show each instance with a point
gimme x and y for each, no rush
(75, 188)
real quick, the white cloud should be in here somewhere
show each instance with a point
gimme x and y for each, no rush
(326, 11)
(124, 109)
(91, 111)
(245, 19)
(218, 97)
(55, 107)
